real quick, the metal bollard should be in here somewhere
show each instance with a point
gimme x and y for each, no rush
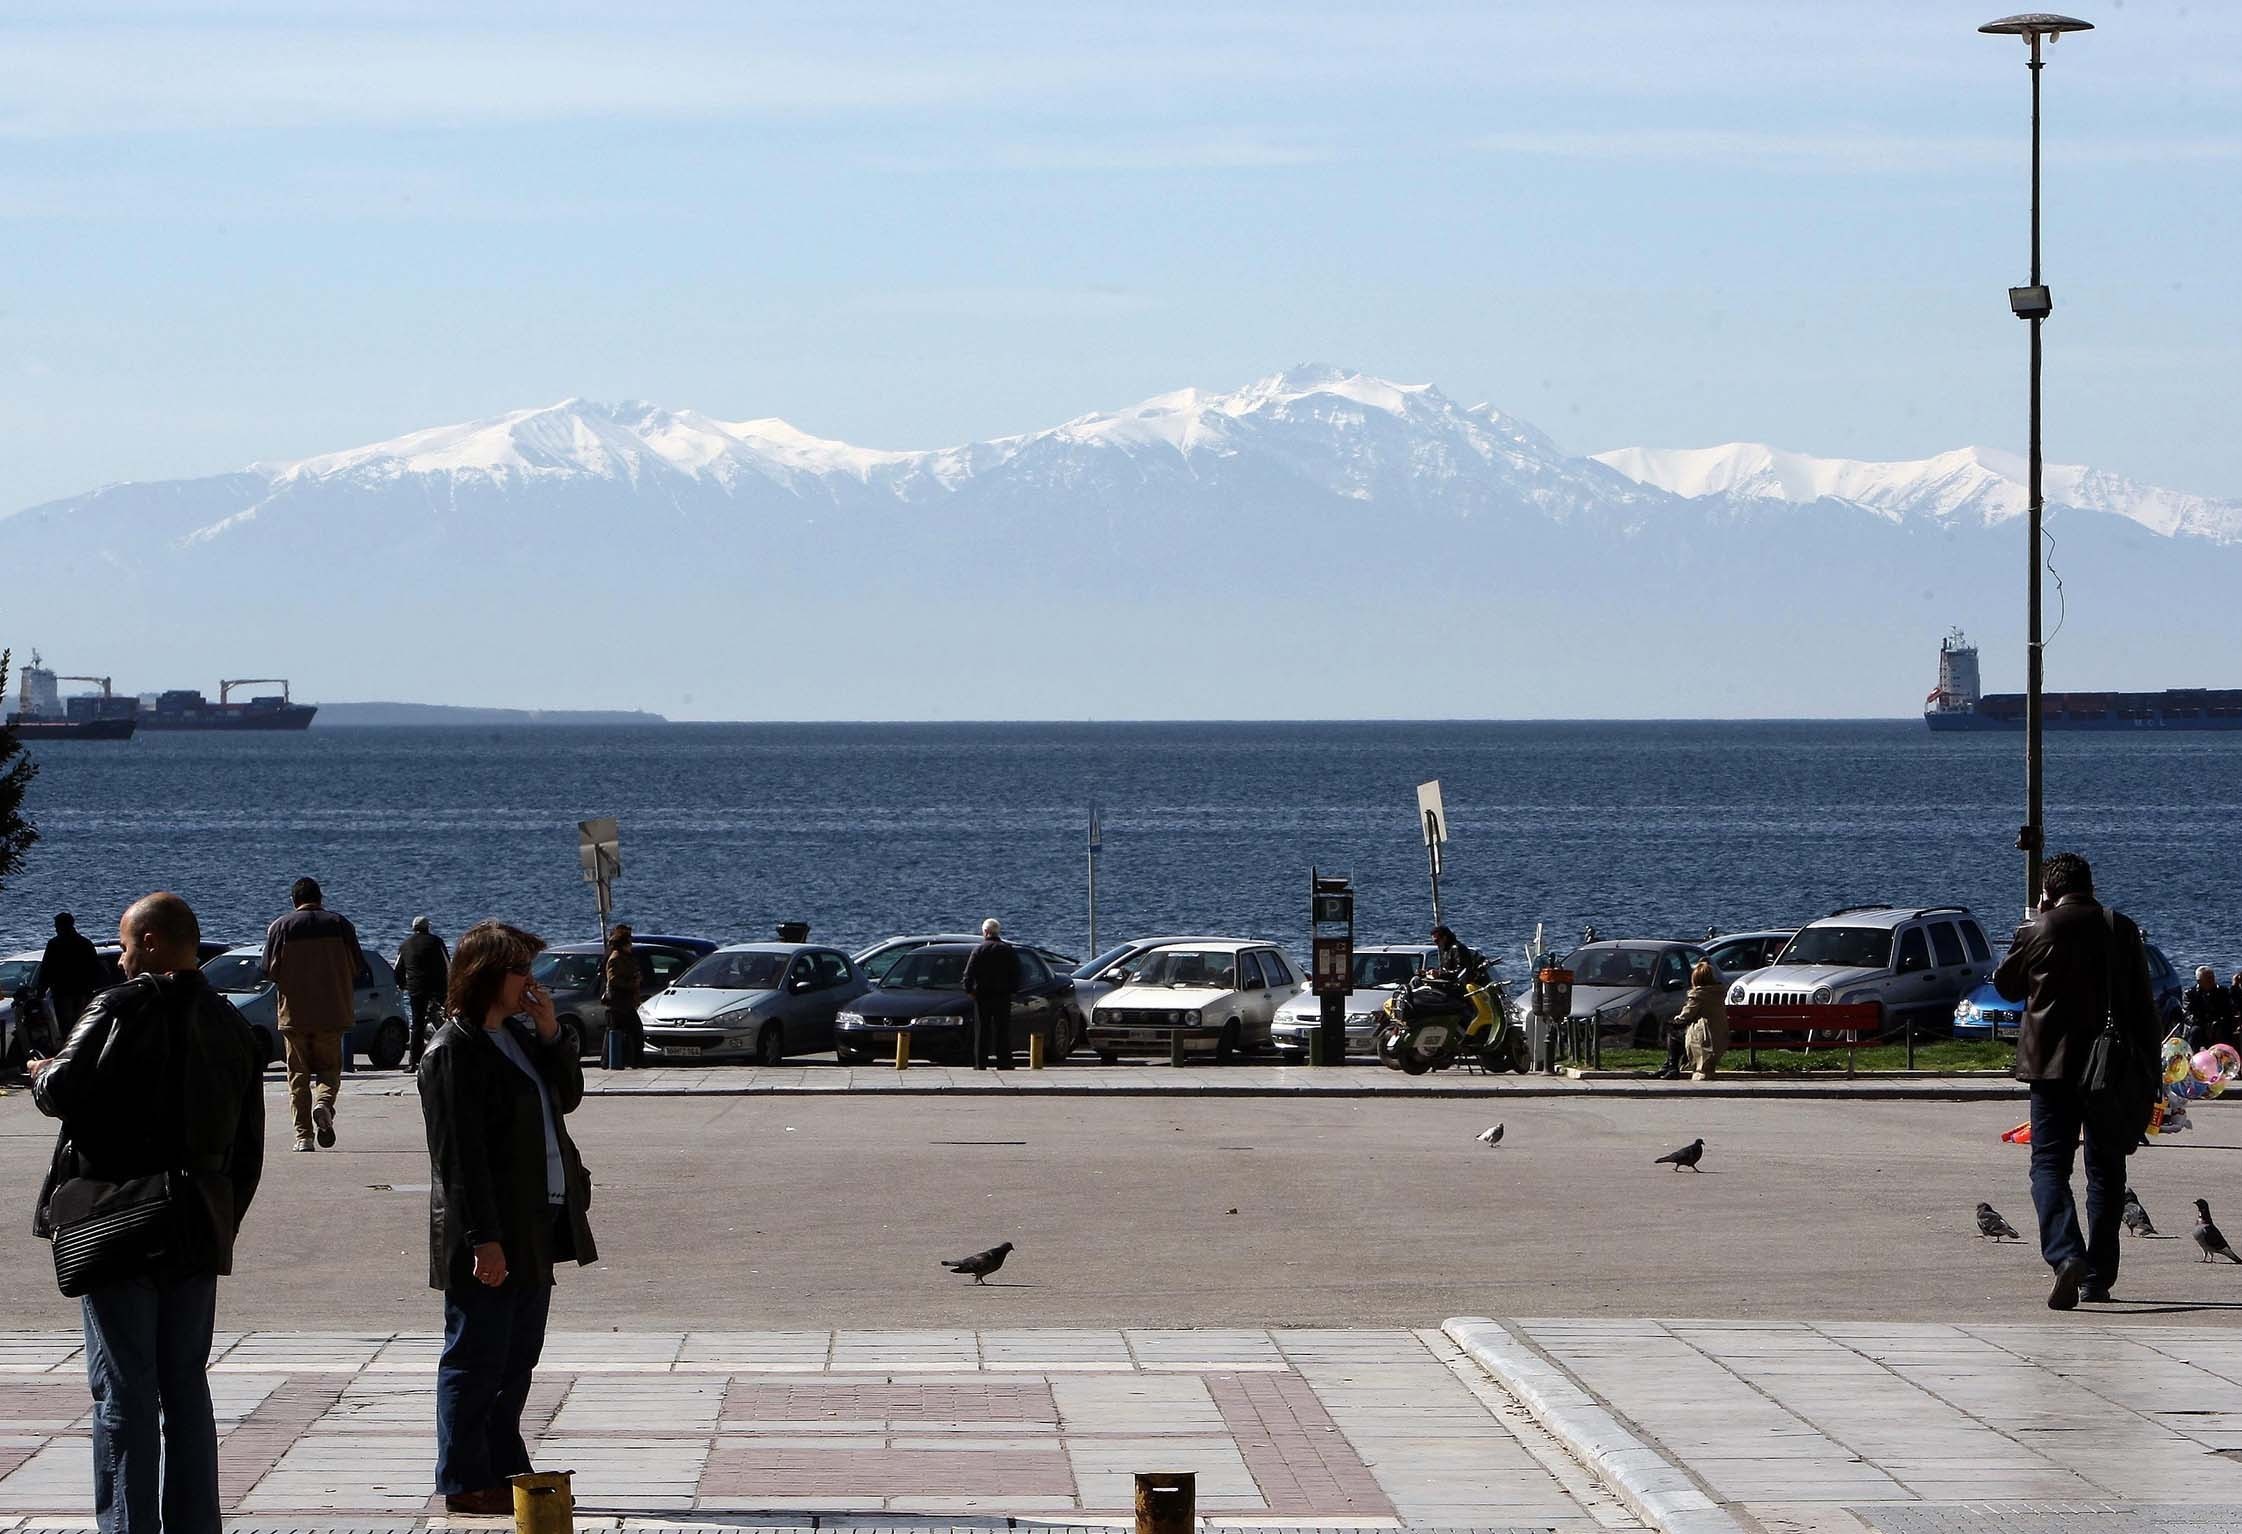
(1035, 1051)
(1166, 1501)
(902, 1050)
(543, 1503)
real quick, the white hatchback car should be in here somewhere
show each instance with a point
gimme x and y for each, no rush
(1915, 962)
(1379, 970)
(1220, 993)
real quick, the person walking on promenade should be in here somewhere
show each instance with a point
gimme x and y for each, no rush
(1700, 1029)
(992, 974)
(2074, 965)
(507, 1202)
(313, 959)
(619, 993)
(70, 971)
(423, 967)
(2210, 1011)
(160, 1079)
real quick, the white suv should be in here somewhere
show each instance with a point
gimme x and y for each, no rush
(1915, 962)
(1220, 993)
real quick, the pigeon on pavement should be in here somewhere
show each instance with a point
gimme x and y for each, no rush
(1490, 1136)
(2136, 1218)
(2207, 1235)
(1990, 1223)
(980, 1264)
(1688, 1156)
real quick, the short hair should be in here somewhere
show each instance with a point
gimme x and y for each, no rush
(170, 920)
(2206, 972)
(305, 892)
(64, 921)
(486, 952)
(420, 924)
(619, 936)
(1444, 937)
(991, 927)
(2066, 873)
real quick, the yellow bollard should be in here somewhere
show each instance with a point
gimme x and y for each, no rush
(1166, 1503)
(1035, 1051)
(902, 1051)
(543, 1503)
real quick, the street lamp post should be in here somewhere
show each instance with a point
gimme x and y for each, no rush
(2033, 304)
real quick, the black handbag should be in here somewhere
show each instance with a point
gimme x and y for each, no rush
(2122, 1077)
(106, 1231)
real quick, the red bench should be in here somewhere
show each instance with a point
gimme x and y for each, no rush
(1748, 1021)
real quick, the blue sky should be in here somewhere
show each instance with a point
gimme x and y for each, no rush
(234, 232)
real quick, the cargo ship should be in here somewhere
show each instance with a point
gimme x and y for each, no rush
(42, 713)
(185, 709)
(1957, 704)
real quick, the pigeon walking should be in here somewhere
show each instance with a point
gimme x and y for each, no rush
(2207, 1235)
(1991, 1225)
(1490, 1136)
(2136, 1218)
(980, 1264)
(1688, 1156)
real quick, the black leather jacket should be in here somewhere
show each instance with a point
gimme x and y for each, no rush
(486, 1150)
(422, 965)
(162, 1075)
(2065, 970)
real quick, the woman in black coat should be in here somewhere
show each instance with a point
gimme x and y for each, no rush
(506, 1204)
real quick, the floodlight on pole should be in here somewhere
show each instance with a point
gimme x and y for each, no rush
(2033, 303)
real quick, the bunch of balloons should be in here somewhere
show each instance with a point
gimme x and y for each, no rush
(2205, 1073)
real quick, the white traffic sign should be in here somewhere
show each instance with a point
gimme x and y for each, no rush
(1431, 812)
(600, 846)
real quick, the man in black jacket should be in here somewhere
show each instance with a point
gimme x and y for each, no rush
(70, 971)
(423, 967)
(992, 974)
(160, 1076)
(2074, 965)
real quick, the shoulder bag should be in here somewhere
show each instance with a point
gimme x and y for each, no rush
(2121, 1077)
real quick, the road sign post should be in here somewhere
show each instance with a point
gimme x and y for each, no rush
(1432, 819)
(1097, 841)
(599, 847)
(1331, 961)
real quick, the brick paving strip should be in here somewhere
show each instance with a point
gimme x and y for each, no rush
(1348, 1429)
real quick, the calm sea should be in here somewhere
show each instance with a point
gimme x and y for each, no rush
(865, 830)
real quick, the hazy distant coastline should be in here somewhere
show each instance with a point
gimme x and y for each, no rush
(357, 714)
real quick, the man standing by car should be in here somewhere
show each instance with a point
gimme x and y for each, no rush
(161, 1079)
(313, 959)
(992, 974)
(423, 968)
(620, 994)
(69, 972)
(2074, 965)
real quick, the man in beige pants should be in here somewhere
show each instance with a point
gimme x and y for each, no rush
(313, 960)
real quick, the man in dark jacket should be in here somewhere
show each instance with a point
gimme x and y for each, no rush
(992, 974)
(313, 959)
(160, 1076)
(2074, 965)
(69, 972)
(2210, 1011)
(423, 967)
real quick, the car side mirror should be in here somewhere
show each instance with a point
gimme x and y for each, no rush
(1672, 984)
(798, 986)
(1117, 975)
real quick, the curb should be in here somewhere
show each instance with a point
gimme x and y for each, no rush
(1655, 1489)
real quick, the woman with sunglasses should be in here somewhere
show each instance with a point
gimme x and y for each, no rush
(506, 1204)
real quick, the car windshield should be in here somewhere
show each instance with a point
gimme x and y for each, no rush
(1851, 947)
(566, 971)
(235, 972)
(15, 974)
(920, 970)
(734, 972)
(1614, 965)
(1199, 967)
(1091, 969)
(1373, 969)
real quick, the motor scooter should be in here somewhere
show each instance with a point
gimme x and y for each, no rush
(1436, 1019)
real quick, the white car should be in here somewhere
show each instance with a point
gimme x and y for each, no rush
(1915, 962)
(1379, 970)
(1221, 994)
(759, 1001)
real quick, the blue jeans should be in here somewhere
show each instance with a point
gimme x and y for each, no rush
(147, 1347)
(492, 1339)
(2060, 1110)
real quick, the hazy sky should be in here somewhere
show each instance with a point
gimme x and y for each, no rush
(232, 232)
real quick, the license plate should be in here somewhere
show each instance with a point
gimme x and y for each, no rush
(681, 1049)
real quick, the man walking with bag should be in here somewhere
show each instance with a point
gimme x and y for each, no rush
(163, 1140)
(2088, 1046)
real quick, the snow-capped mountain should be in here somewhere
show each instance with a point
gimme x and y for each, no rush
(1969, 484)
(1319, 542)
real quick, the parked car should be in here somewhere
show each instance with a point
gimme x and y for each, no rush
(1915, 962)
(876, 960)
(1227, 992)
(1379, 970)
(573, 973)
(1094, 978)
(19, 972)
(924, 996)
(1631, 986)
(1986, 1014)
(1740, 953)
(760, 1001)
(378, 1029)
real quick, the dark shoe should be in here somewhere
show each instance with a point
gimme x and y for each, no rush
(323, 1120)
(490, 1502)
(303, 1143)
(2097, 1294)
(2068, 1278)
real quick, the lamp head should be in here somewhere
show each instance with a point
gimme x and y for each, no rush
(2034, 25)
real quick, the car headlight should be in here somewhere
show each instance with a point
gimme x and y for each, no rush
(737, 1017)
(1736, 994)
(1362, 1017)
(849, 1019)
(1821, 995)
(1967, 1012)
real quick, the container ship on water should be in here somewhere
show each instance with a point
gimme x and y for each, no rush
(42, 713)
(1957, 704)
(185, 709)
